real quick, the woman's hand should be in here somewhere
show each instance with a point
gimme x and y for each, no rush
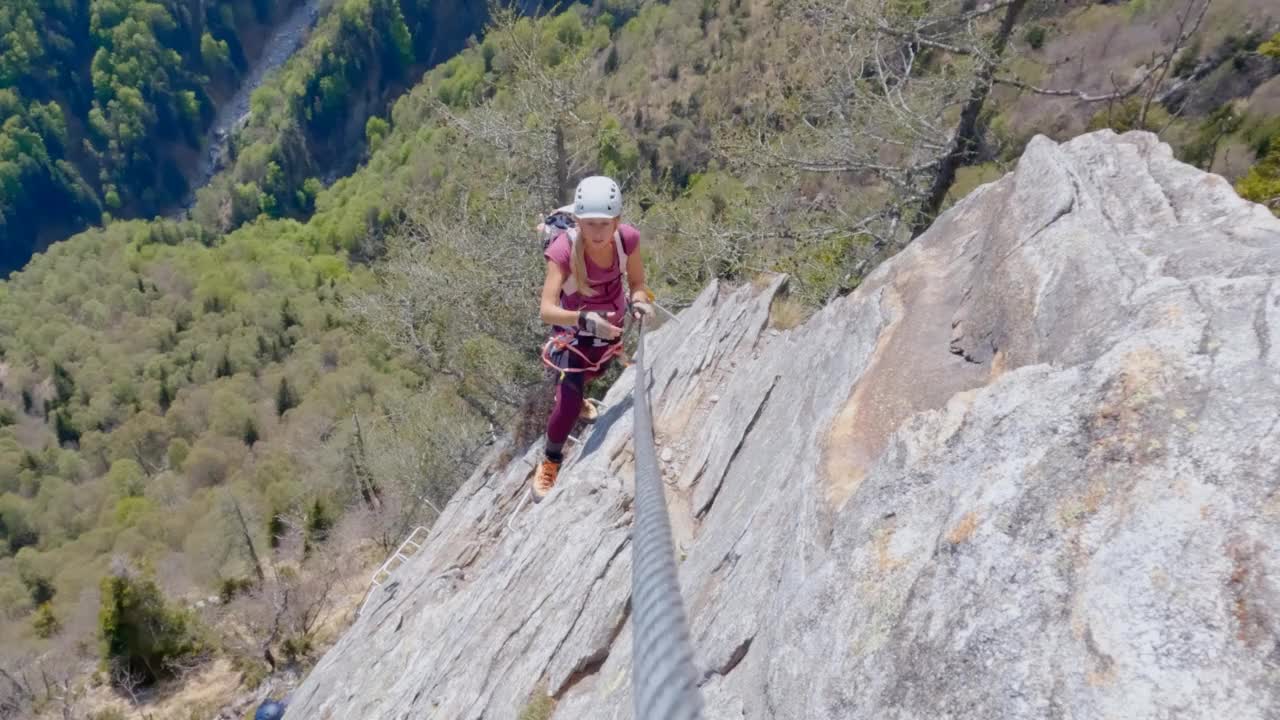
(642, 304)
(601, 328)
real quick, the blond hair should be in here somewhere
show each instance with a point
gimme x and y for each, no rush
(578, 263)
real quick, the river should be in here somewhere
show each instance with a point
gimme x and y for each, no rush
(288, 37)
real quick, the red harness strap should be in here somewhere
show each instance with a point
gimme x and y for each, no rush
(565, 341)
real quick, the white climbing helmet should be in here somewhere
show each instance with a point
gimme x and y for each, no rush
(597, 197)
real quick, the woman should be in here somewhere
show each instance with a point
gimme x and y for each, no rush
(584, 298)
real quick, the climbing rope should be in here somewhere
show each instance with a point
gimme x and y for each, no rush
(664, 681)
(565, 341)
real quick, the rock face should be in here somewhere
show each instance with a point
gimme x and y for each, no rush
(1029, 469)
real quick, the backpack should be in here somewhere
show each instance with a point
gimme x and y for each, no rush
(561, 221)
(557, 222)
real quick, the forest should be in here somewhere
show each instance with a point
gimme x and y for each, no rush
(107, 103)
(95, 94)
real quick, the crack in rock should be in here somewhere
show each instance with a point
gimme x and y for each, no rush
(591, 664)
(706, 506)
(735, 659)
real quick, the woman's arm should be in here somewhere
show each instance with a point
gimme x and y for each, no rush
(549, 309)
(552, 314)
(635, 278)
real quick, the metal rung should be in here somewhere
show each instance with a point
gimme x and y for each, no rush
(512, 518)
(386, 567)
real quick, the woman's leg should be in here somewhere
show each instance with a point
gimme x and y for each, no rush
(564, 414)
(569, 393)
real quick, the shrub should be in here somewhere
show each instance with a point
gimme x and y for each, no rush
(46, 623)
(1035, 36)
(139, 630)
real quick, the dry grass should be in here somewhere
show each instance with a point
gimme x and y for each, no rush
(969, 178)
(540, 705)
(221, 684)
(786, 313)
(198, 696)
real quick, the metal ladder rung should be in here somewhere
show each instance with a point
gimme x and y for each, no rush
(387, 569)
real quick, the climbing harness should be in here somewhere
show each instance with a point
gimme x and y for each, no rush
(567, 340)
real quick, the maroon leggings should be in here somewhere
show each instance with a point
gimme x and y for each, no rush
(571, 386)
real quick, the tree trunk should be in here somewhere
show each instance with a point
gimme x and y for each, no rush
(248, 539)
(360, 469)
(562, 169)
(965, 137)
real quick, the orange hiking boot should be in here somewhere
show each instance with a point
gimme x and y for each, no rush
(588, 413)
(545, 479)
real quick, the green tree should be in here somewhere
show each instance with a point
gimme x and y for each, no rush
(126, 478)
(139, 630)
(35, 575)
(1262, 183)
(286, 399)
(617, 152)
(216, 53)
(45, 623)
(16, 526)
(208, 464)
(1034, 36)
(177, 452)
(250, 433)
(224, 368)
(319, 522)
(63, 384)
(143, 437)
(375, 131)
(276, 528)
(1271, 48)
(229, 412)
(11, 454)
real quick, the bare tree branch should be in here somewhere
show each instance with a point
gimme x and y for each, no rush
(530, 126)
(128, 683)
(1157, 69)
(917, 38)
(1184, 33)
(1080, 94)
(18, 698)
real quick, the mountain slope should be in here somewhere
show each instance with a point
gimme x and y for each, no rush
(1026, 469)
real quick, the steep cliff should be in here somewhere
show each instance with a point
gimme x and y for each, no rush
(1029, 469)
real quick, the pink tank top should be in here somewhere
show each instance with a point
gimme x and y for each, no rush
(611, 291)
